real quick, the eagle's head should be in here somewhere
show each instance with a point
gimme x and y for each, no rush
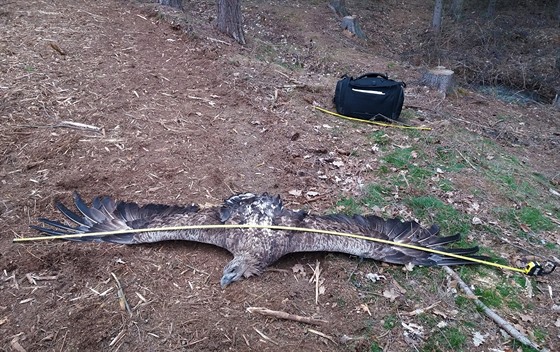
(241, 266)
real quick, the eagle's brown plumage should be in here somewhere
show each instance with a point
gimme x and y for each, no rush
(255, 249)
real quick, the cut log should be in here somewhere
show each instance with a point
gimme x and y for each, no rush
(439, 78)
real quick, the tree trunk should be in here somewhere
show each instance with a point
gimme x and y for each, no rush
(558, 11)
(229, 19)
(491, 11)
(339, 7)
(457, 9)
(436, 20)
(178, 4)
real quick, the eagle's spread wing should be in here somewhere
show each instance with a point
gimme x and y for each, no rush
(107, 215)
(409, 232)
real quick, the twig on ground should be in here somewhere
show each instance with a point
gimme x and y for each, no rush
(217, 41)
(264, 336)
(78, 125)
(196, 341)
(330, 338)
(118, 337)
(194, 269)
(502, 323)
(122, 298)
(467, 160)
(16, 346)
(316, 276)
(287, 316)
(421, 310)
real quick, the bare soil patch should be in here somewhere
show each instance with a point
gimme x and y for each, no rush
(187, 118)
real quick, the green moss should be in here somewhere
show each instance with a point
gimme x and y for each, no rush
(349, 206)
(540, 334)
(375, 195)
(529, 216)
(490, 297)
(461, 302)
(400, 158)
(449, 159)
(446, 185)
(374, 347)
(390, 321)
(450, 338)
(379, 137)
(431, 208)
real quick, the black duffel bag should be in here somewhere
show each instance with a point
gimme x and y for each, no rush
(372, 96)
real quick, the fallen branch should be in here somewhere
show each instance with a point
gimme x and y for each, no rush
(287, 316)
(502, 323)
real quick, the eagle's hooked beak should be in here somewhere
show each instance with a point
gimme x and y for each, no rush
(227, 279)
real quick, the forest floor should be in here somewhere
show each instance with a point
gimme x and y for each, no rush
(190, 116)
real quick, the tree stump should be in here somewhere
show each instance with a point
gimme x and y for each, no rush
(348, 23)
(439, 78)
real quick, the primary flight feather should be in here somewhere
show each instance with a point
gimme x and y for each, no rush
(254, 249)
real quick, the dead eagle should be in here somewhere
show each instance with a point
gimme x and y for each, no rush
(254, 249)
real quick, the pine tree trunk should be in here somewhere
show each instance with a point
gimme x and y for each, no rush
(436, 20)
(178, 4)
(339, 7)
(491, 11)
(229, 19)
(457, 9)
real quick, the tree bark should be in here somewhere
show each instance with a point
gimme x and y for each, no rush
(339, 7)
(491, 10)
(178, 4)
(457, 9)
(229, 19)
(436, 19)
(439, 78)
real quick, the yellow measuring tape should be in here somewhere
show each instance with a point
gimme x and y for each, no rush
(371, 122)
(532, 268)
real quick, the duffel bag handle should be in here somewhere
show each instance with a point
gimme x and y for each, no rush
(373, 74)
